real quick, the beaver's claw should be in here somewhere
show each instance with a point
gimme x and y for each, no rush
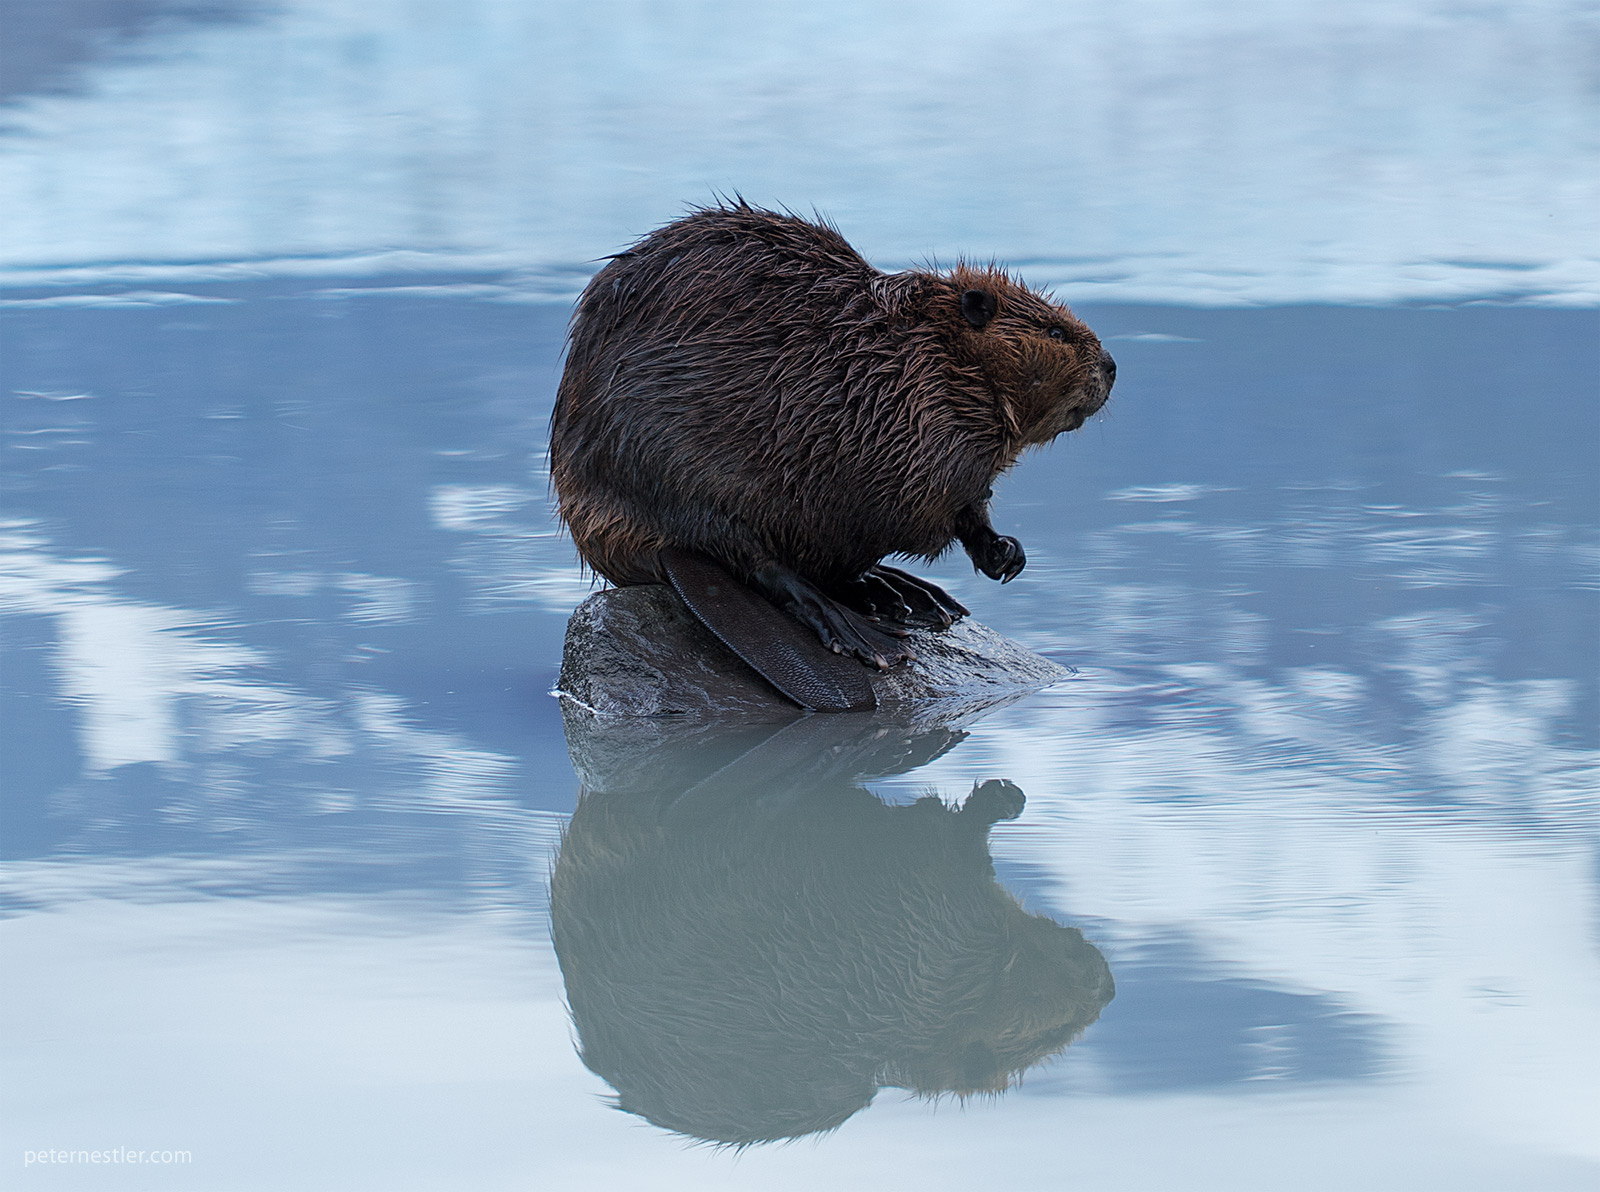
(1000, 557)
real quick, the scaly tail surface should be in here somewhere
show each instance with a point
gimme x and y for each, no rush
(773, 644)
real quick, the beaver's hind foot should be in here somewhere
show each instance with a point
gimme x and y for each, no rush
(901, 600)
(841, 628)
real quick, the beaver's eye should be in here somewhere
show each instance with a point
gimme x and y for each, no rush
(1057, 333)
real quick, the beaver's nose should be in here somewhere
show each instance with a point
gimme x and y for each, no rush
(1109, 367)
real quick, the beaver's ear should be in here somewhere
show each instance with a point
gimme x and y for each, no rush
(979, 306)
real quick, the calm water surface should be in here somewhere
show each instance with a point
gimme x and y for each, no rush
(1303, 858)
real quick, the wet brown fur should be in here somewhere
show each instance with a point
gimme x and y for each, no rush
(743, 384)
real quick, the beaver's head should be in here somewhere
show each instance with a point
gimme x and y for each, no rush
(1045, 366)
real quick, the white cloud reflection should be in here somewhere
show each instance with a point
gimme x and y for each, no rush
(151, 683)
(509, 553)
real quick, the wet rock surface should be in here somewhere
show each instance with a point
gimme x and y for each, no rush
(639, 653)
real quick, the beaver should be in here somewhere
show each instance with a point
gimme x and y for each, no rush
(742, 387)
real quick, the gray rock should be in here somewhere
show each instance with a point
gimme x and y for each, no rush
(639, 653)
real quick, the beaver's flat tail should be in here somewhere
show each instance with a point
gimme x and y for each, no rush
(773, 644)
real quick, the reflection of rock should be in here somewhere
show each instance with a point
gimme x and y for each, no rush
(755, 947)
(653, 755)
(639, 652)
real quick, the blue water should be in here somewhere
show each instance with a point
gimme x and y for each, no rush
(282, 600)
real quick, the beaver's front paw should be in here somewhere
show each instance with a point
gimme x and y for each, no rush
(1000, 558)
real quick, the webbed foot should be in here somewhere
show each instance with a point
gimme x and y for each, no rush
(840, 628)
(890, 595)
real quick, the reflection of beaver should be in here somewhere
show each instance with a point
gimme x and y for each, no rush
(745, 969)
(742, 385)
